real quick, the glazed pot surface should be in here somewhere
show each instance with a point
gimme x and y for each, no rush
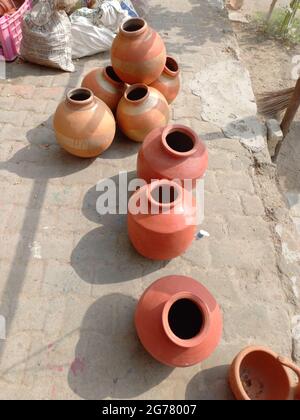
(84, 125)
(178, 321)
(142, 109)
(138, 53)
(168, 82)
(106, 85)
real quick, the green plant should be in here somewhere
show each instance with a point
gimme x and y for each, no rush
(274, 26)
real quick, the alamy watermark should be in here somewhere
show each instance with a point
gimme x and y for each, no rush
(162, 196)
(2, 327)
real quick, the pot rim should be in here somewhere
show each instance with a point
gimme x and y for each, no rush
(197, 340)
(87, 101)
(138, 32)
(169, 129)
(236, 366)
(162, 182)
(169, 71)
(132, 88)
(110, 79)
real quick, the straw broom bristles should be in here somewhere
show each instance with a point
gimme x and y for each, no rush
(272, 103)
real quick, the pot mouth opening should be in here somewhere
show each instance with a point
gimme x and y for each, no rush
(186, 319)
(254, 376)
(180, 142)
(80, 95)
(137, 93)
(113, 75)
(134, 25)
(165, 194)
(172, 65)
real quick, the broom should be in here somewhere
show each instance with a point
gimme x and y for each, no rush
(272, 103)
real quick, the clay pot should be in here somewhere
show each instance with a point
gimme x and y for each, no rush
(178, 321)
(6, 7)
(162, 220)
(83, 124)
(106, 85)
(142, 109)
(172, 152)
(138, 53)
(258, 373)
(168, 82)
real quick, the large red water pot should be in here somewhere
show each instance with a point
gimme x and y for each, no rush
(178, 321)
(162, 220)
(174, 152)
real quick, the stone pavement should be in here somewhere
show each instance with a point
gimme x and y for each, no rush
(70, 280)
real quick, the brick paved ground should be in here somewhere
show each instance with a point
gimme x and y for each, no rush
(70, 279)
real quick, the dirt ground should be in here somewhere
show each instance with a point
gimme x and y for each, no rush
(271, 64)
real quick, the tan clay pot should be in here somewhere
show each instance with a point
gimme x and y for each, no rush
(106, 85)
(138, 53)
(178, 321)
(258, 373)
(162, 220)
(142, 109)
(168, 82)
(83, 124)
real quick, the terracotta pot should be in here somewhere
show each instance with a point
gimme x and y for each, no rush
(6, 7)
(138, 53)
(83, 124)
(178, 321)
(142, 109)
(258, 373)
(162, 220)
(106, 85)
(172, 152)
(168, 82)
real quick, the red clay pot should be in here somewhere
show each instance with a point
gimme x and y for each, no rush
(106, 85)
(138, 53)
(164, 224)
(173, 152)
(6, 7)
(142, 109)
(168, 82)
(83, 124)
(178, 321)
(258, 373)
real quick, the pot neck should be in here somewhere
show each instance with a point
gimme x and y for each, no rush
(110, 75)
(137, 94)
(203, 312)
(133, 28)
(171, 68)
(80, 98)
(179, 141)
(163, 196)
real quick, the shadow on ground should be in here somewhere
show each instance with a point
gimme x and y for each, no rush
(109, 359)
(210, 384)
(105, 255)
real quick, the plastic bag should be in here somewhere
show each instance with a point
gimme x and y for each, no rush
(89, 39)
(47, 37)
(141, 7)
(93, 31)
